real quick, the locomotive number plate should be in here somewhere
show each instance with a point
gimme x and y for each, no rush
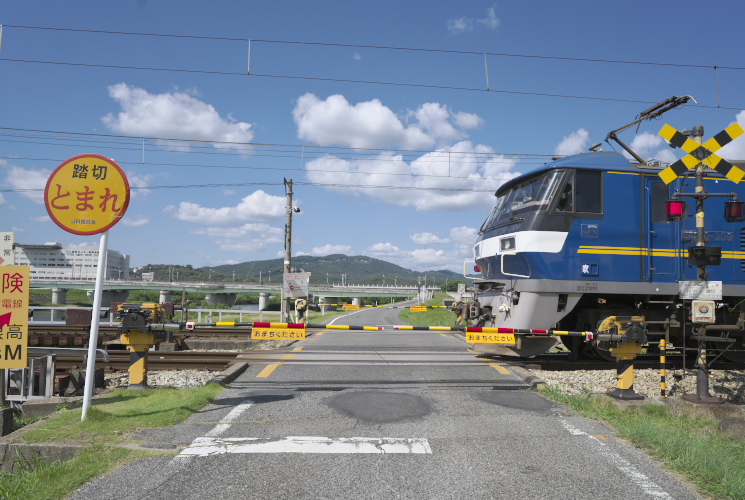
(490, 338)
(711, 290)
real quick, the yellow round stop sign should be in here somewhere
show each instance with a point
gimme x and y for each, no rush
(87, 194)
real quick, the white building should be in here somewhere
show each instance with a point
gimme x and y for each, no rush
(54, 262)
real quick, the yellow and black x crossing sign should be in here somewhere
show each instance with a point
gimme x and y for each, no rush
(702, 153)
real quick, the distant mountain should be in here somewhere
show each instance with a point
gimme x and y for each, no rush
(358, 269)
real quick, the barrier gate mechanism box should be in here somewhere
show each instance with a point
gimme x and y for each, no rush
(296, 285)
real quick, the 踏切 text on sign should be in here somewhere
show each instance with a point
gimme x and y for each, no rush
(87, 194)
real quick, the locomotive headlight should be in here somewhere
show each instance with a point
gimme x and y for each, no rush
(507, 244)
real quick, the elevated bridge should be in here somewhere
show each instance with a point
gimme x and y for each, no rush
(219, 292)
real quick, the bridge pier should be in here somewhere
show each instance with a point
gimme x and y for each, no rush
(165, 296)
(59, 296)
(328, 300)
(222, 298)
(263, 300)
(109, 296)
(356, 301)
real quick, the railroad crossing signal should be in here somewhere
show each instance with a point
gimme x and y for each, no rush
(702, 153)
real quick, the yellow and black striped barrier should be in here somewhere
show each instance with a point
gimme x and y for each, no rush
(474, 330)
(357, 307)
(663, 368)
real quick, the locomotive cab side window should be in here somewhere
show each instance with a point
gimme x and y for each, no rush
(589, 191)
(582, 192)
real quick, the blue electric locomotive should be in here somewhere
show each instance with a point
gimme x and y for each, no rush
(586, 237)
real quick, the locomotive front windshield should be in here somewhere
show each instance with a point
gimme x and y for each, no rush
(529, 196)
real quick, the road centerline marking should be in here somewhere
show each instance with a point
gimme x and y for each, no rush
(501, 369)
(268, 370)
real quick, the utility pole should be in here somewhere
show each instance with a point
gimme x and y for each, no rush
(288, 246)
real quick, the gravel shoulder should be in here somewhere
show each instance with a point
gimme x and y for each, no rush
(729, 385)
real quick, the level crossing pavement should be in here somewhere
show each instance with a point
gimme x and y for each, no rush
(386, 414)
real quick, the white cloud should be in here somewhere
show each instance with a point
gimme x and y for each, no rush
(370, 124)
(428, 256)
(644, 145)
(135, 221)
(173, 115)
(464, 234)
(228, 192)
(330, 250)
(140, 183)
(460, 177)
(460, 24)
(246, 238)
(665, 155)
(468, 120)
(17, 229)
(574, 143)
(356, 56)
(461, 242)
(80, 244)
(41, 218)
(2, 199)
(258, 206)
(464, 24)
(28, 182)
(491, 21)
(735, 150)
(384, 249)
(427, 239)
(645, 142)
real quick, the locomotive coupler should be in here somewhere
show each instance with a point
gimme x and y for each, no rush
(624, 337)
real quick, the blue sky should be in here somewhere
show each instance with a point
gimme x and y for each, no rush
(402, 170)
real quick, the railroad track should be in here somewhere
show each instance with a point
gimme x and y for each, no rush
(561, 362)
(78, 336)
(156, 360)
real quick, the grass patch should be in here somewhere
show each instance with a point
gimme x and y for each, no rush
(59, 479)
(112, 420)
(114, 417)
(430, 317)
(689, 446)
(20, 420)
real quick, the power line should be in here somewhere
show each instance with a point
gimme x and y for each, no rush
(385, 47)
(316, 184)
(252, 144)
(281, 169)
(344, 80)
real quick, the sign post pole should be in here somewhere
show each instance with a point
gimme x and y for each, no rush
(95, 317)
(86, 195)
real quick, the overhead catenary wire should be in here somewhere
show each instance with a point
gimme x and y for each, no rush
(316, 184)
(380, 47)
(346, 80)
(236, 143)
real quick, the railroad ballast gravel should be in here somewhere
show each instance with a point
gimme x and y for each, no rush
(729, 385)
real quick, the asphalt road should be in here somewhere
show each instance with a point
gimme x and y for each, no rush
(388, 414)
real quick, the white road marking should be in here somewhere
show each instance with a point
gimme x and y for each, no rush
(650, 487)
(307, 444)
(224, 424)
(232, 416)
